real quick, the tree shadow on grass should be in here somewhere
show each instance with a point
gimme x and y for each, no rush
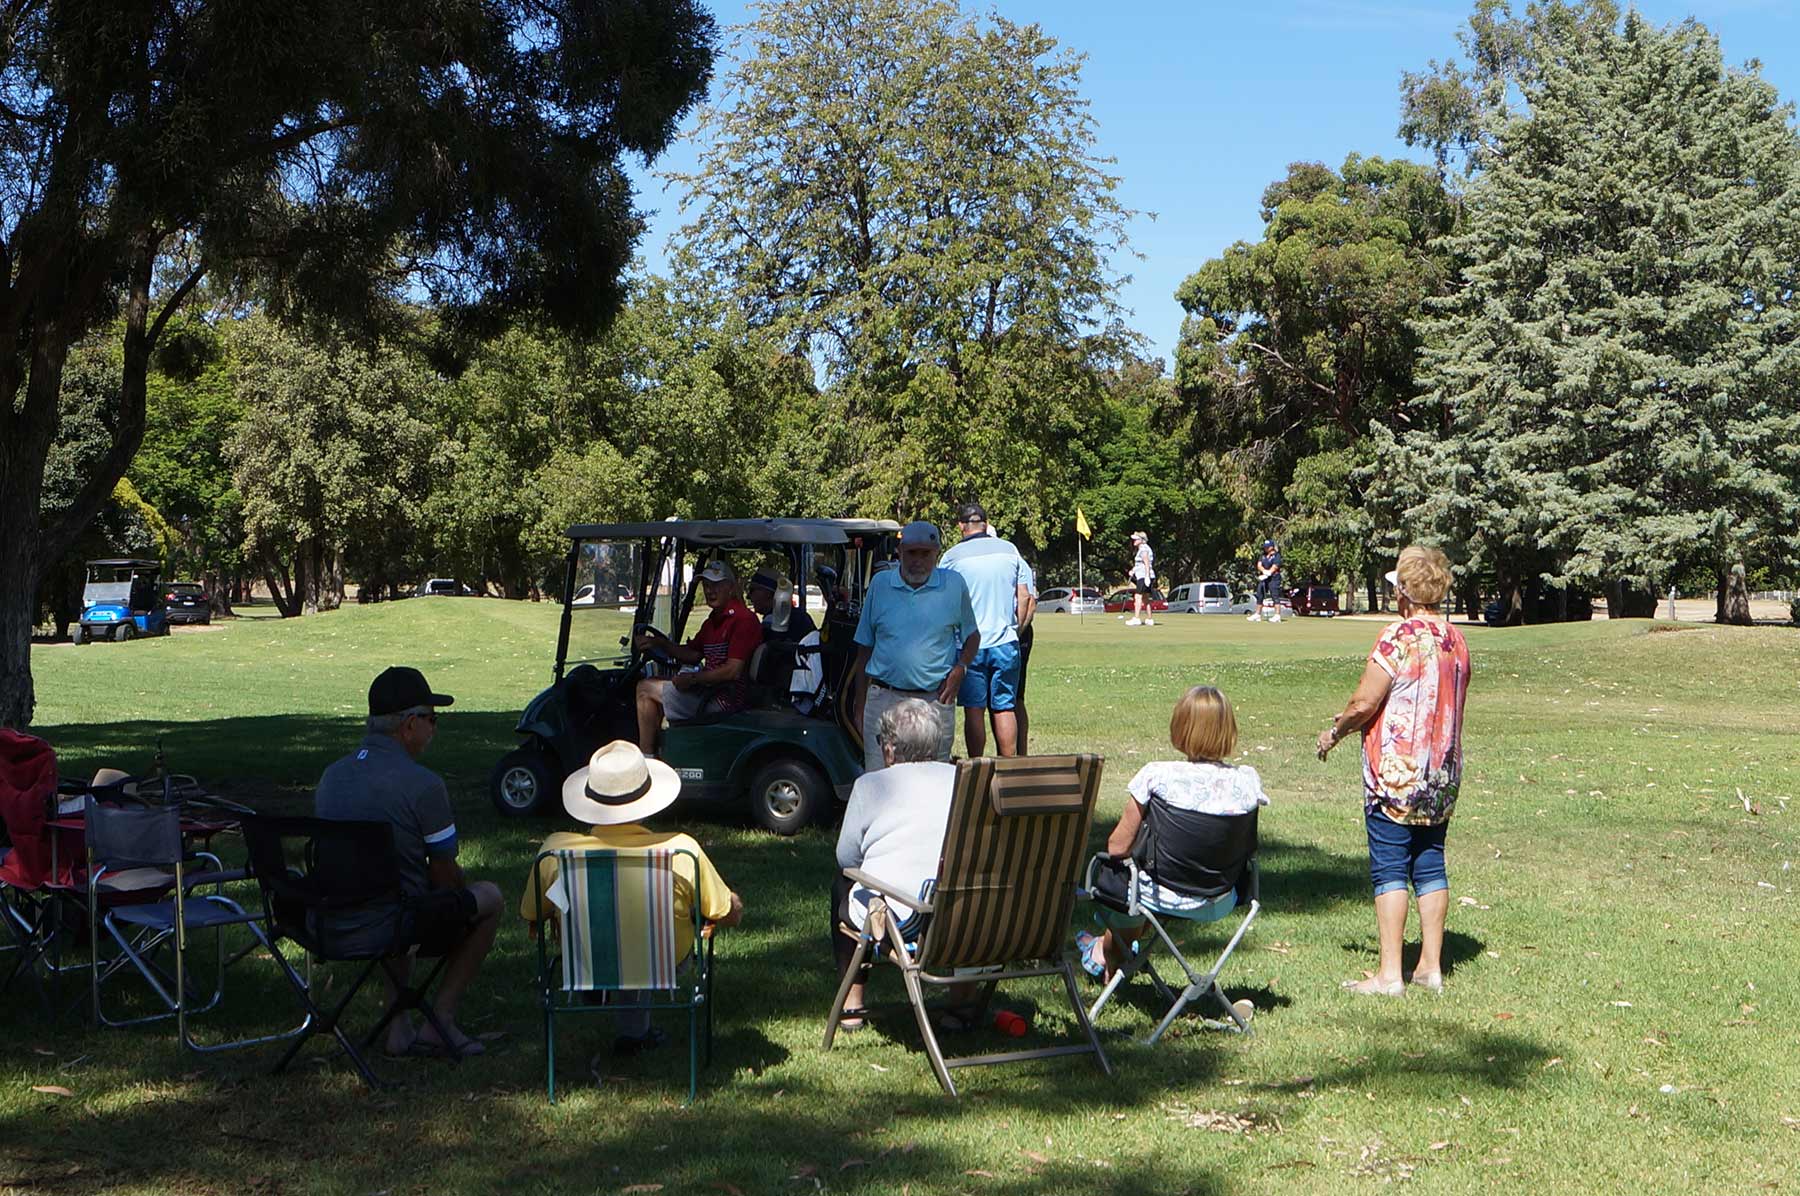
(1301, 878)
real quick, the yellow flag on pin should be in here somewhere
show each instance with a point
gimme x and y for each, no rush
(1081, 525)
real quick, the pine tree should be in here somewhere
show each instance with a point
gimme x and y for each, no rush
(1613, 393)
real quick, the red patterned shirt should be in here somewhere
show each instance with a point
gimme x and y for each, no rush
(731, 632)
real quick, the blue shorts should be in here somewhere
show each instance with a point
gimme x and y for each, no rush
(992, 682)
(1401, 854)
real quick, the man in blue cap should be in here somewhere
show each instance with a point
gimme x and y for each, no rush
(915, 639)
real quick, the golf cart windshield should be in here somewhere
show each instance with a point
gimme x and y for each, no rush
(607, 584)
(108, 593)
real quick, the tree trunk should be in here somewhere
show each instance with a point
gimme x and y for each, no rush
(21, 481)
(281, 587)
(218, 588)
(1734, 599)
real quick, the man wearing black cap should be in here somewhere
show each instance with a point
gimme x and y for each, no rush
(442, 912)
(779, 622)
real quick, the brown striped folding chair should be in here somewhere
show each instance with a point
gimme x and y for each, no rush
(1005, 887)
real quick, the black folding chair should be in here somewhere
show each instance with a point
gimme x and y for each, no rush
(1205, 856)
(333, 888)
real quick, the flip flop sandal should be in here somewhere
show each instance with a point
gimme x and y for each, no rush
(1093, 961)
(852, 1019)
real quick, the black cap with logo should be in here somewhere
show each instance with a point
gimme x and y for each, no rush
(402, 688)
(971, 512)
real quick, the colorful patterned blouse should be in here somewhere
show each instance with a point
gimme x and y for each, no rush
(1412, 748)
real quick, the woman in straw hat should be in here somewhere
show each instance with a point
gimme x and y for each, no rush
(613, 795)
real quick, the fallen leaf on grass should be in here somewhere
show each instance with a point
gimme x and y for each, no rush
(1035, 1157)
(641, 1188)
(51, 1090)
(849, 1163)
(1438, 1146)
(1793, 1123)
(1620, 1004)
(877, 1067)
(1554, 1061)
(728, 1189)
(1503, 1016)
(978, 1171)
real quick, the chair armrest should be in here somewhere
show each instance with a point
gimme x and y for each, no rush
(910, 900)
(214, 876)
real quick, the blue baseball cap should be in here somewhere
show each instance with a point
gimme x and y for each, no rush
(920, 532)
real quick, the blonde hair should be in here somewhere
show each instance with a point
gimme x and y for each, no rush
(1424, 574)
(1203, 726)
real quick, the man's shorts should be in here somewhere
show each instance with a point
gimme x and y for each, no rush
(437, 921)
(992, 682)
(680, 705)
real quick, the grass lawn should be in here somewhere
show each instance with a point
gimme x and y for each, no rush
(1620, 1014)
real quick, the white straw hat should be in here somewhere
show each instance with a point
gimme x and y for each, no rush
(619, 785)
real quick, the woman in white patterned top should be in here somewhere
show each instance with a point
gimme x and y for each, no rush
(1204, 729)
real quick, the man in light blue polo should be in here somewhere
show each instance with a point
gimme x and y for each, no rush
(915, 639)
(996, 577)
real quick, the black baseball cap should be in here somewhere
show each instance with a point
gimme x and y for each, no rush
(401, 688)
(971, 512)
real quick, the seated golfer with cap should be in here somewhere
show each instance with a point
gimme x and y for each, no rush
(722, 648)
(915, 639)
(444, 914)
(613, 795)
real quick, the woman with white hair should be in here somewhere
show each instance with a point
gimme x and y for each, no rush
(1409, 707)
(893, 830)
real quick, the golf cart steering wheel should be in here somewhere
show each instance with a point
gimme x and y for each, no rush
(657, 652)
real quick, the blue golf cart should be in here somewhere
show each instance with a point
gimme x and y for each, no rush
(121, 601)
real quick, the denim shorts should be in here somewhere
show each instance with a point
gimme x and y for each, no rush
(992, 682)
(1401, 854)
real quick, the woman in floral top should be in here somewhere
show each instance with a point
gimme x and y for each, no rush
(1409, 707)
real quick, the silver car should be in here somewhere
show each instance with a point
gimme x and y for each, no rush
(1069, 600)
(1206, 598)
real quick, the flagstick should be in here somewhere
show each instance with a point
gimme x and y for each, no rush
(1080, 582)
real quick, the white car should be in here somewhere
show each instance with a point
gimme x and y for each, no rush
(1206, 598)
(1069, 600)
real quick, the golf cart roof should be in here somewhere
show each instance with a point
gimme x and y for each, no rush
(125, 562)
(738, 531)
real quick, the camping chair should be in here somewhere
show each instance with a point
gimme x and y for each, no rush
(615, 928)
(333, 888)
(1002, 898)
(1209, 856)
(28, 890)
(135, 855)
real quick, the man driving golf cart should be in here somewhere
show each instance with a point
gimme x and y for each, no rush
(721, 649)
(786, 750)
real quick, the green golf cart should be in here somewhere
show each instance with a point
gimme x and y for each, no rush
(792, 753)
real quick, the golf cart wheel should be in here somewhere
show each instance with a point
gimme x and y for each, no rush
(522, 784)
(125, 631)
(787, 794)
(78, 634)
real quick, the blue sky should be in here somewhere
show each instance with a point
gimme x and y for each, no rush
(1203, 103)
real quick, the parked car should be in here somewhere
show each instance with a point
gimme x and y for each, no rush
(443, 587)
(1207, 598)
(1314, 600)
(188, 602)
(1070, 600)
(1119, 602)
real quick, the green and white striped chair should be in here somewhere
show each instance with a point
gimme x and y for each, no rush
(616, 933)
(1012, 857)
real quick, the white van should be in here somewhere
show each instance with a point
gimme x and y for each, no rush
(1206, 598)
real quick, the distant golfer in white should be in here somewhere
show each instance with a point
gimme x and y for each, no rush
(1143, 579)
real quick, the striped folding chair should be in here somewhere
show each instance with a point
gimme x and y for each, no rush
(1005, 887)
(616, 934)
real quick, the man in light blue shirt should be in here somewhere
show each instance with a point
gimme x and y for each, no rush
(915, 639)
(998, 590)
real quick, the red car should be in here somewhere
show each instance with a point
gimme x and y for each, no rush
(1314, 600)
(1119, 601)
